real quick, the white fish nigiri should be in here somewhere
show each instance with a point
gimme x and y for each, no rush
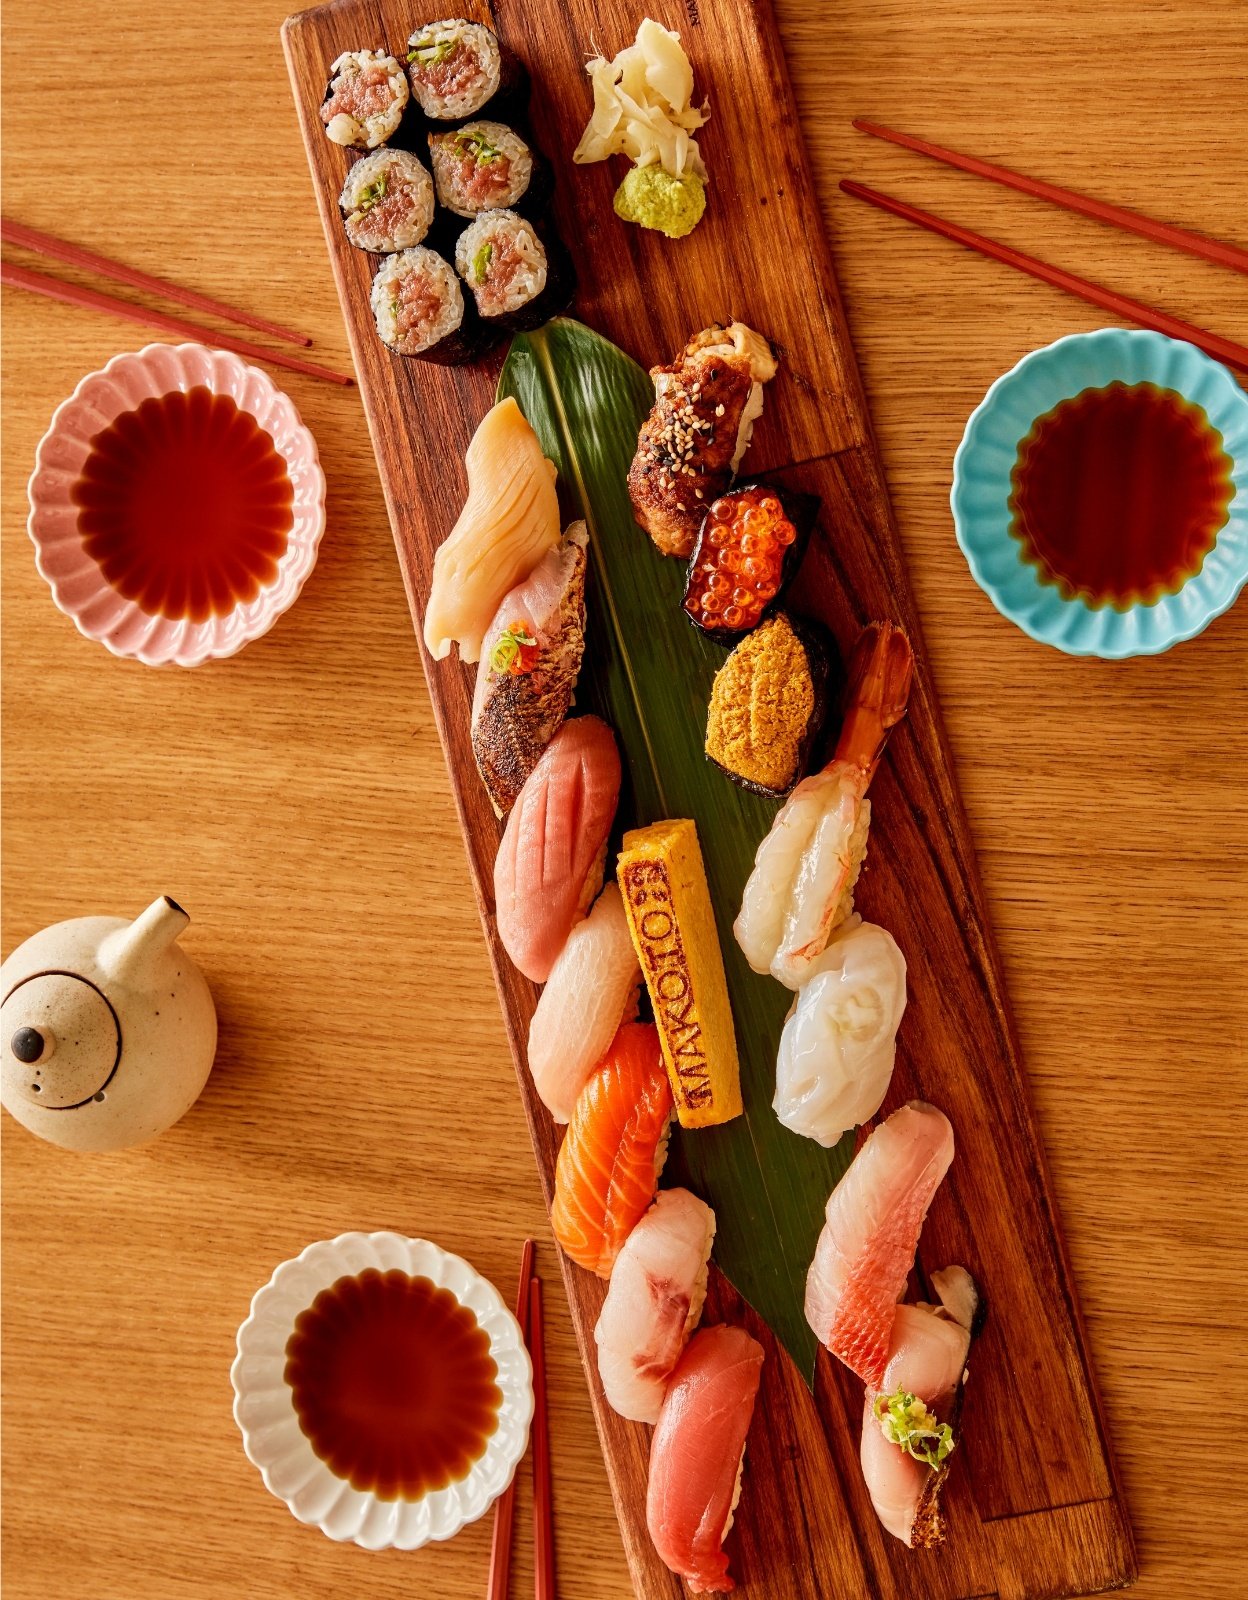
(658, 1285)
(592, 988)
(509, 521)
(908, 1424)
(839, 1042)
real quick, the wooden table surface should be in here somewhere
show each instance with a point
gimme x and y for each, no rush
(296, 802)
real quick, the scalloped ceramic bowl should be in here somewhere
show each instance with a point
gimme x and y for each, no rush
(265, 1412)
(79, 586)
(981, 491)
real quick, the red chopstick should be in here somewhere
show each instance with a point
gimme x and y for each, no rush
(92, 300)
(1119, 305)
(505, 1509)
(1226, 255)
(543, 1517)
(45, 245)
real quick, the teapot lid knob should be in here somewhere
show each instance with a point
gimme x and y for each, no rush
(32, 1044)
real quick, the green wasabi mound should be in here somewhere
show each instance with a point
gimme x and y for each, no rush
(654, 198)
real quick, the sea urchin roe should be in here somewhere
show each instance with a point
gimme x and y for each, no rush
(740, 560)
(762, 705)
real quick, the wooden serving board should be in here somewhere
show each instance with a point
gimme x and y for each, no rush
(1033, 1504)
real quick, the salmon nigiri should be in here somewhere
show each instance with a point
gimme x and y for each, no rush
(697, 1455)
(616, 1143)
(870, 1235)
(550, 863)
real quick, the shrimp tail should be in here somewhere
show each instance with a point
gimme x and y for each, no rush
(880, 671)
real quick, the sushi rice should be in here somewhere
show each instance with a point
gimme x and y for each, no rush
(365, 100)
(480, 166)
(417, 301)
(455, 67)
(387, 202)
(503, 262)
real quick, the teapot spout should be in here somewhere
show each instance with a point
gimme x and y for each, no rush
(128, 953)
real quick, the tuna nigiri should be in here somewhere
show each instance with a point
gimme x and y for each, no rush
(697, 1455)
(614, 1149)
(592, 988)
(908, 1426)
(531, 656)
(870, 1235)
(509, 521)
(550, 863)
(658, 1285)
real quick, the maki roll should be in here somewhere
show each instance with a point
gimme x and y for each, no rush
(483, 165)
(517, 280)
(365, 100)
(419, 308)
(750, 545)
(387, 202)
(457, 68)
(768, 703)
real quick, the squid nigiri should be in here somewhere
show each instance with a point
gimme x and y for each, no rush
(550, 862)
(592, 988)
(909, 1424)
(509, 521)
(697, 1455)
(802, 884)
(839, 1041)
(613, 1152)
(870, 1235)
(658, 1286)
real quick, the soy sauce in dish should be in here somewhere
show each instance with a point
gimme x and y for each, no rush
(1118, 494)
(393, 1383)
(186, 505)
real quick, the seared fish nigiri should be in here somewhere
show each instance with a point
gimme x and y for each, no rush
(592, 988)
(613, 1152)
(697, 1455)
(870, 1235)
(706, 404)
(658, 1285)
(802, 885)
(509, 521)
(909, 1425)
(532, 654)
(550, 863)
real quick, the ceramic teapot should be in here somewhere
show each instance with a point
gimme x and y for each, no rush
(107, 1029)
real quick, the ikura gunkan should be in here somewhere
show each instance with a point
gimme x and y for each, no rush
(457, 67)
(516, 282)
(751, 543)
(365, 100)
(387, 202)
(480, 166)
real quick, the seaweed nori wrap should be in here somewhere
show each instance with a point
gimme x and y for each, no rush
(486, 166)
(365, 99)
(458, 69)
(519, 277)
(421, 310)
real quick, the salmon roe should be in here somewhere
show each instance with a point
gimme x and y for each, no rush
(739, 560)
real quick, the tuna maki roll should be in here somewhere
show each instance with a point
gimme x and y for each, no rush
(419, 308)
(365, 100)
(387, 202)
(516, 280)
(481, 166)
(457, 67)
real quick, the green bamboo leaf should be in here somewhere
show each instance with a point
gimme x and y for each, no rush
(648, 673)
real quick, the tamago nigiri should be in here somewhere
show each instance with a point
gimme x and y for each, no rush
(658, 1285)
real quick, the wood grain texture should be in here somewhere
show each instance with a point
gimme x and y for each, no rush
(1107, 804)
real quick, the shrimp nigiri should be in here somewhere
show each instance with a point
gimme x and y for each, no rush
(613, 1152)
(908, 1425)
(592, 988)
(697, 1455)
(802, 885)
(870, 1235)
(658, 1285)
(550, 863)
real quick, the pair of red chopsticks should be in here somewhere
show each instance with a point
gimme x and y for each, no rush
(43, 244)
(1120, 305)
(529, 1316)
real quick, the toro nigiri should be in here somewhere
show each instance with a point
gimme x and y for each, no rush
(509, 521)
(658, 1285)
(908, 1426)
(532, 654)
(550, 862)
(592, 989)
(697, 1455)
(614, 1149)
(802, 885)
(870, 1235)
(839, 1042)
